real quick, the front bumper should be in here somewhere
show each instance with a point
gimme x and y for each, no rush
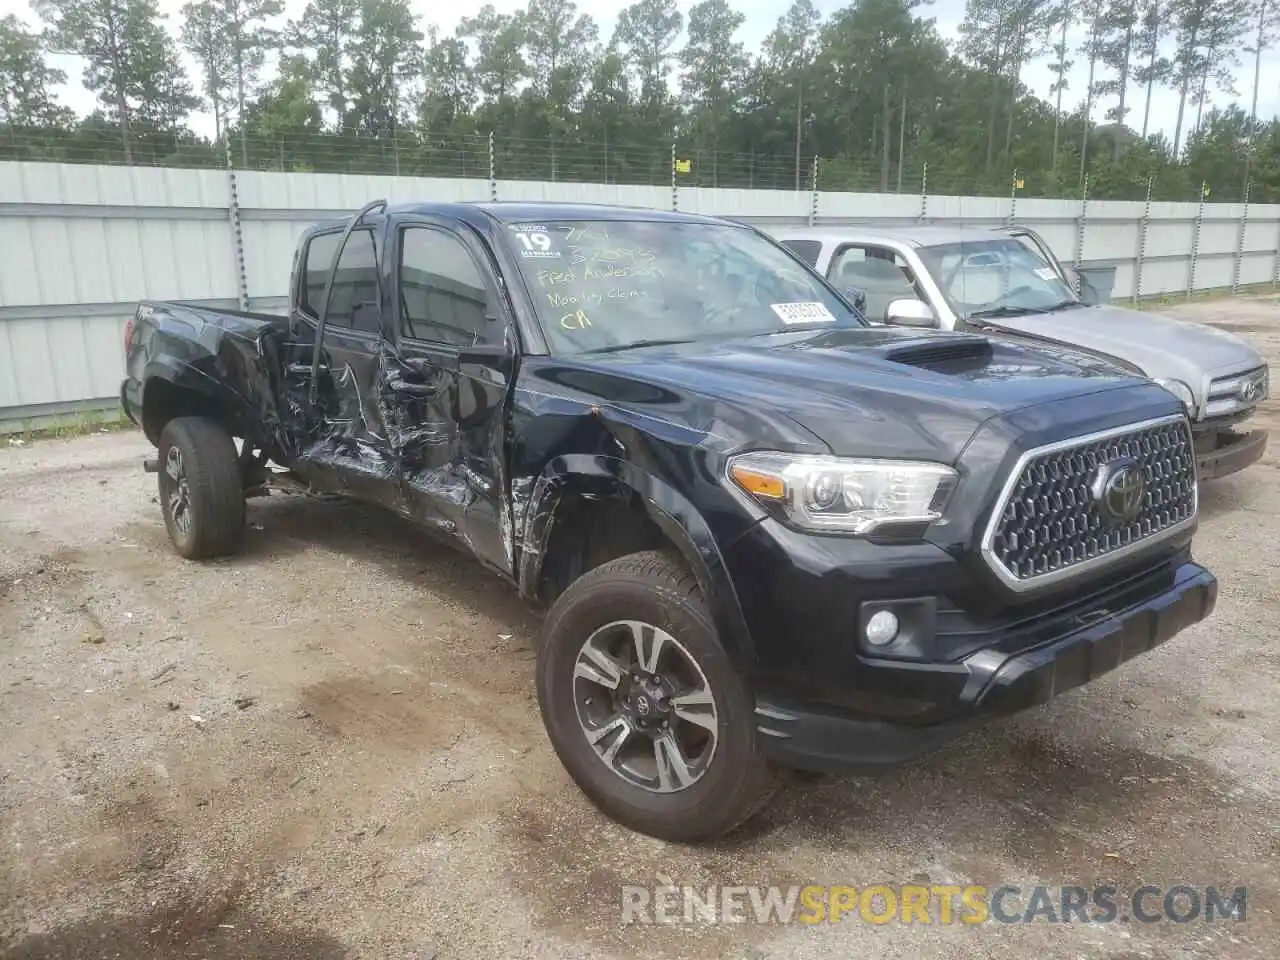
(987, 683)
(1229, 453)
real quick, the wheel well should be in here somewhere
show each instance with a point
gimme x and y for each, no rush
(162, 401)
(590, 531)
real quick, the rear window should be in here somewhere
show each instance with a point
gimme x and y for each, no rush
(355, 285)
(320, 253)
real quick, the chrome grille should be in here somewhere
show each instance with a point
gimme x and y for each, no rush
(1058, 515)
(1237, 393)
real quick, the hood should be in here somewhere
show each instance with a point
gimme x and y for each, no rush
(876, 392)
(1159, 346)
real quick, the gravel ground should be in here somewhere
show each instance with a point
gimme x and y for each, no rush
(329, 747)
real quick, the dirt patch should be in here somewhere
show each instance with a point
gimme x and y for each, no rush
(390, 714)
(212, 930)
(329, 747)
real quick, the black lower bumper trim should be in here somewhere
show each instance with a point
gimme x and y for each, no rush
(997, 685)
(1232, 457)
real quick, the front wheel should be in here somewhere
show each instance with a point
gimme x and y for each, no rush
(201, 488)
(644, 707)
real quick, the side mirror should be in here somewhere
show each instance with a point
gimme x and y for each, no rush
(909, 312)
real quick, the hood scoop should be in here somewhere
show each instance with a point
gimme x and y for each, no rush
(942, 353)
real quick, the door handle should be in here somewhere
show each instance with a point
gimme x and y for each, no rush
(400, 385)
(301, 369)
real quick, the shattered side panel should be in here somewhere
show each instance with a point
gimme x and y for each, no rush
(233, 359)
(445, 412)
(415, 404)
(347, 446)
(574, 435)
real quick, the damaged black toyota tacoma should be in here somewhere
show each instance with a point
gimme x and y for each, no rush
(767, 532)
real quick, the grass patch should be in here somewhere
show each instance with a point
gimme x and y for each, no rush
(74, 425)
(1201, 296)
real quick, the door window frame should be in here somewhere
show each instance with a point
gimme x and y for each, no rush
(898, 255)
(303, 308)
(493, 288)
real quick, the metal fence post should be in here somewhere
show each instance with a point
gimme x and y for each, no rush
(1244, 224)
(1143, 226)
(1275, 271)
(1013, 197)
(675, 190)
(924, 196)
(493, 171)
(813, 206)
(237, 235)
(1080, 227)
(1195, 240)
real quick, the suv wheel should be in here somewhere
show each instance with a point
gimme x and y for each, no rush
(201, 490)
(644, 707)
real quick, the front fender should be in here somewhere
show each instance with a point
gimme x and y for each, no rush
(678, 519)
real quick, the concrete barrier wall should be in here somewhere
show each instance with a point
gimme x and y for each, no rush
(80, 245)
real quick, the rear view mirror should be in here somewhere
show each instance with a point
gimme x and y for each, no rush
(858, 297)
(909, 312)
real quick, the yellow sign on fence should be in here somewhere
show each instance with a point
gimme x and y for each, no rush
(684, 166)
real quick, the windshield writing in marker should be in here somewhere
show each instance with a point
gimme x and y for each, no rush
(612, 283)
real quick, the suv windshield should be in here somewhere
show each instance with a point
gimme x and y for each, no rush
(992, 277)
(614, 284)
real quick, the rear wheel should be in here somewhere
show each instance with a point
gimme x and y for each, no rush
(643, 705)
(201, 489)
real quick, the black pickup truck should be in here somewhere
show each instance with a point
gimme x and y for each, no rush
(767, 532)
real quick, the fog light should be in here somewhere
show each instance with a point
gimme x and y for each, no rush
(881, 628)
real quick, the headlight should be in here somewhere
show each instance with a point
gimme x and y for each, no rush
(838, 495)
(1181, 391)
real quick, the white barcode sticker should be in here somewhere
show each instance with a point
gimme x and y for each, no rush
(803, 313)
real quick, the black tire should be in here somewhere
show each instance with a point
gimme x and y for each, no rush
(657, 589)
(215, 490)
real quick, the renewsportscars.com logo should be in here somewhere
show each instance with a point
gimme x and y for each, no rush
(936, 904)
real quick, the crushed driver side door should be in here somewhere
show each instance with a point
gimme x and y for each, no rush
(445, 383)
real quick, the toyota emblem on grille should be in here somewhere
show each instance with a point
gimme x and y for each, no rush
(1251, 391)
(1118, 490)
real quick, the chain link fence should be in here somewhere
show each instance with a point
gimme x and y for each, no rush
(500, 157)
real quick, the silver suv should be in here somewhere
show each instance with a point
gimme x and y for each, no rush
(1009, 283)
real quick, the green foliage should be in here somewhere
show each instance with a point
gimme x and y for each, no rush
(131, 65)
(871, 88)
(26, 82)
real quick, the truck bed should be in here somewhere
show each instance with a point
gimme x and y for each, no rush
(207, 325)
(231, 357)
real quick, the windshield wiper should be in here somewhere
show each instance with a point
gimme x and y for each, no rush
(1010, 311)
(1004, 311)
(615, 347)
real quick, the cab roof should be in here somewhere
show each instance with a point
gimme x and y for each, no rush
(915, 235)
(484, 214)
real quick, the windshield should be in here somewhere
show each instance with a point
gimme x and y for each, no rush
(611, 285)
(989, 277)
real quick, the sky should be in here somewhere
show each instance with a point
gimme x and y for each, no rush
(761, 16)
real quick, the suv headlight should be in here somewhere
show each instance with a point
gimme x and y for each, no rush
(841, 495)
(1181, 391)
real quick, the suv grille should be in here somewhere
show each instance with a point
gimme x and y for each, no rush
(1236, 394)
(1079, 504)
